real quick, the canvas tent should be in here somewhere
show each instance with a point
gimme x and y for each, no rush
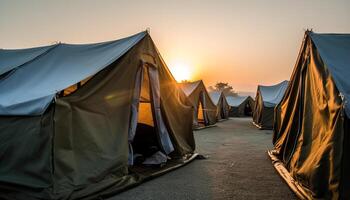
(311, 139)
(222, 107)
(267, 97)
(240, 106)
(204, 109)
(73, 116)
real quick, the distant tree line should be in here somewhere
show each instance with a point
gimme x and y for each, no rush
(225, 88)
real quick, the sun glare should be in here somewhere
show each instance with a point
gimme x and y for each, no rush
(181, 71)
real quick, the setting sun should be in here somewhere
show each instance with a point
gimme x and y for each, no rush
(181, 71)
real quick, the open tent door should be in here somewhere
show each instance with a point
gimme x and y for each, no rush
(247, 109)
(201, 114)
(148, 134)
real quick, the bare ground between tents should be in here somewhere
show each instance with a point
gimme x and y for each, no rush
(237, 168)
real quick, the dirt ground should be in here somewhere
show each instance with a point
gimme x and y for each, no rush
(237, 168)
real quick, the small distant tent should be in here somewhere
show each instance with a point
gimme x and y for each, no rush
(267, 97)
(222, 106)
(204, 113)
(240, 106)
(73, 117)
(312, 130)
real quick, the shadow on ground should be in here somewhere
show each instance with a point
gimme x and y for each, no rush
(237, 168)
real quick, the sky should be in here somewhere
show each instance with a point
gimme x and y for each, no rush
(244, 43)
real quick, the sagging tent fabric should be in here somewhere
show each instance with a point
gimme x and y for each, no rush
(240, 106)
(222, 107)
(55, 145)
(204, 108)
(11, 59)
(267, 97)
(311, 136)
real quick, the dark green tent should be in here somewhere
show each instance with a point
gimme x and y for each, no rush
(267, 97)
(222, 107)
(74, 117)
(204, 108)
(240, 106)
(311, 132)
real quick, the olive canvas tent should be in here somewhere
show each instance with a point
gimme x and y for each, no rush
(222, 107)
(240, 106)
(267, 97)
(204, 109)
(73, 117)
(312, 127)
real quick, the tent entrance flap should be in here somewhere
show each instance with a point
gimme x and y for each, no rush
(247, 110)
(200, 113)
(148, 133)
(202, 116)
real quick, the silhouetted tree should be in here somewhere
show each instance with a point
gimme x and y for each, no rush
(225, 88)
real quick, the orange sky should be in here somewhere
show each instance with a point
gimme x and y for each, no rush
(244, 43)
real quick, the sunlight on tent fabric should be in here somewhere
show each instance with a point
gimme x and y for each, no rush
(181, 71)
